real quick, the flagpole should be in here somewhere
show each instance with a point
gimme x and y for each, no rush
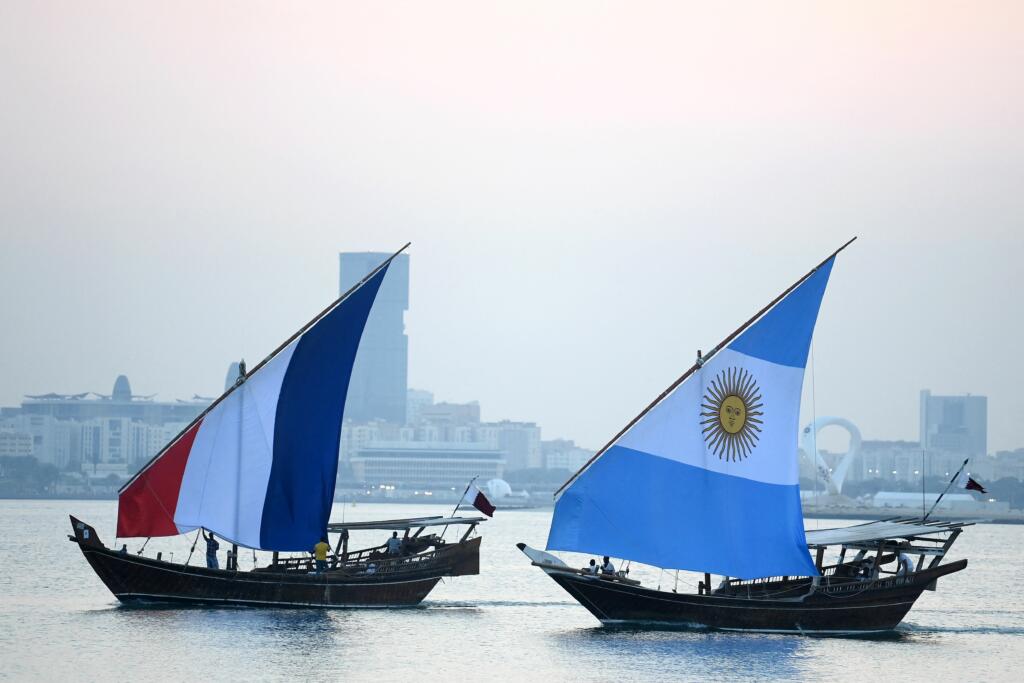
(955, 477)
(696, 366)
(463, 496)
(459, 502)
(334, 304)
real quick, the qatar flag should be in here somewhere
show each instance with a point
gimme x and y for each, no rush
(477, 499)
(968, 483)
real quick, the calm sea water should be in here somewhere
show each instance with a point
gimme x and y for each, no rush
(58, 622)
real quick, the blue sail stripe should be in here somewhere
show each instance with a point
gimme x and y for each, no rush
(783, 334)
(307, 430)
(631, 504)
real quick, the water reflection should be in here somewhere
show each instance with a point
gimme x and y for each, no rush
(688, 654)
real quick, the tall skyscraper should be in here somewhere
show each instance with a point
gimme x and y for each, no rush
(377, 390)
(954, 423)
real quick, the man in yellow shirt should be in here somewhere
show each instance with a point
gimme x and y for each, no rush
(320, 551)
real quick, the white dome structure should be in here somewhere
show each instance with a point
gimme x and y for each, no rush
(497, 489)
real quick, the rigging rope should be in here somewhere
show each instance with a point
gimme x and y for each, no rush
(144, 545)
(814, 438)
(194, 541)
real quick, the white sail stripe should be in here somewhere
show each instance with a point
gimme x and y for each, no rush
(220, 486)
(673, 428)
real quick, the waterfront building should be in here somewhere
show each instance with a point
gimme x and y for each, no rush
(377, 389)
(564, 454)
(998, 465)
(410, 464)
(119, 403)
(15, 444)
(951, 502)
(448, 418)
(520, 441)
(119, 430)
(954, 423)
(415, 401)
(51, 441)
(900, 461)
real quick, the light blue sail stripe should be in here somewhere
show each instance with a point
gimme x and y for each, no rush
(675, 516)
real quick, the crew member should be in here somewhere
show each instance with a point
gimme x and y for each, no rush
(212, 546)
(906, 564)
(591, 568)
(607, 568)
(320, 551)
(394, 544)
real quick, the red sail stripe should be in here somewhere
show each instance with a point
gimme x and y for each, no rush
(146, 507)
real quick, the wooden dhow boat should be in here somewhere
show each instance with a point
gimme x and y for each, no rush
(865, 591)
(705, 479)
(370, 577)
(258, 469)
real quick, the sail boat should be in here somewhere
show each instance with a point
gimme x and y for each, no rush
(258, 469)
(706, 479)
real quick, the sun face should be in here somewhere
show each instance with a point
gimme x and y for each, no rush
(731, 415)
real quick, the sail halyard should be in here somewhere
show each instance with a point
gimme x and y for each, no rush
(266, 448)
(714, 454)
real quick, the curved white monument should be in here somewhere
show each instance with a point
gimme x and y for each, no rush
(808, 443)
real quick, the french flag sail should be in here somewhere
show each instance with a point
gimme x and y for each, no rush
(259, 467)
(707, 479)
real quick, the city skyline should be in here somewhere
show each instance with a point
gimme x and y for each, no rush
(909, 430)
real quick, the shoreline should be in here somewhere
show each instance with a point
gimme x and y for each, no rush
(809, 513)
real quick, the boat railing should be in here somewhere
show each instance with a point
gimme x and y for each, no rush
(766, 582)
(369, 560)
(832, 581)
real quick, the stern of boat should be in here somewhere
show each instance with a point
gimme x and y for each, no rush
(465, 558)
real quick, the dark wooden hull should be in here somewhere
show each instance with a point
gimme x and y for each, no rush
(141, 580)
(849, 608)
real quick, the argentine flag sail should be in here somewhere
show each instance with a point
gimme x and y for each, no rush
(259, 467)
(707, 480)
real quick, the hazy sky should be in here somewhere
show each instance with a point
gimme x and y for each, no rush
(593, 191)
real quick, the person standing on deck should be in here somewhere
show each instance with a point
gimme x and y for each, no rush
(212, 546)
(905, 563)
(394, 544)
(320, 551)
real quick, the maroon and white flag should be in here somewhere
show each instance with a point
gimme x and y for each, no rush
(966, 482)
(477, 499)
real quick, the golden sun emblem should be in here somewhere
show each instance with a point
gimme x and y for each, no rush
(732, 414)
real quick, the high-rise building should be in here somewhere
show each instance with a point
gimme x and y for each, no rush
(415, 401)
(377, 390)
(954, 423)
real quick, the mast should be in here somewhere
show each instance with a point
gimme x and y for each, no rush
(701, 360)
(334, 304)
(951, 481)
